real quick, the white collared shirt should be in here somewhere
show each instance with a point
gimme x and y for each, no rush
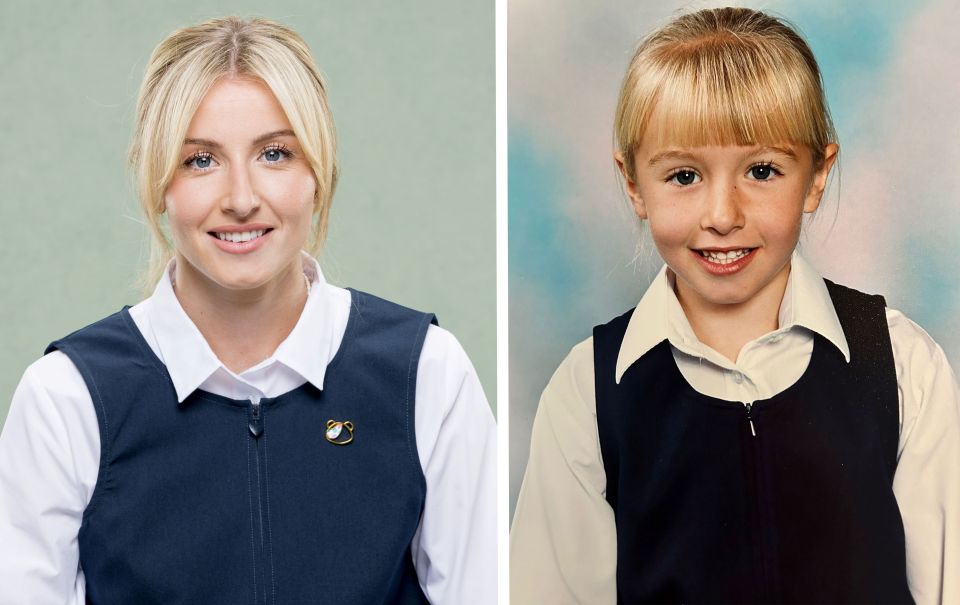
(50, 446)
(563, 541)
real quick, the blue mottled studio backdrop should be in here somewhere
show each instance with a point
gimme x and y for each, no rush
(888, 224)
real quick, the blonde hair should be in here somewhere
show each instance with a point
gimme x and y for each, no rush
(182, 69)
(727, 76)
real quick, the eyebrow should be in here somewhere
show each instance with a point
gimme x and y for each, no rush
(260, 139)
(670, 155)
(675, 154)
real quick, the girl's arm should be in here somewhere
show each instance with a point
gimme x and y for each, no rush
(49, 461)
(455, 549)
(927, 480)
(563, 544)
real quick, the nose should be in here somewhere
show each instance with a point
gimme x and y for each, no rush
(723, 212)
(240, 199)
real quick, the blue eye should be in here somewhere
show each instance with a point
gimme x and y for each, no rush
(199, 161)
(684, 177)
(276, 153)
(763, 172)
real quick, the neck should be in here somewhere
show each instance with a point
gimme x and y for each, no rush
(242, 327)
(726, 328)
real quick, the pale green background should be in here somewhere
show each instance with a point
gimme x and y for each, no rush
(411, 85)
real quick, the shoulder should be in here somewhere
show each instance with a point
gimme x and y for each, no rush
(851, 305)
(926, 384)
(441, 346)
(617, 324)
(443, 359)
(571, 391)
(110, 329)
(911, 343)
(366, 303)
(920, 361)
(52, 405)
(56, 375)
(445, 371)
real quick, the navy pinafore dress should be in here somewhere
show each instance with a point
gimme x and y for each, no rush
(215, 500)
(788, 501)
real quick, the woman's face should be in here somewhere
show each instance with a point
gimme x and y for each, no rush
(241, 201)
(726, 219)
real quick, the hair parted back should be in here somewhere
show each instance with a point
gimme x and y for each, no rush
(726, 76)
(182, 69)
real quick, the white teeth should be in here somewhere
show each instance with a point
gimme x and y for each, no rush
(724, 258)
(240, 236)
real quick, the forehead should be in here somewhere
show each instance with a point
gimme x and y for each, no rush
(699, 121)
(237, 106)
(721, 157)
(720, 93)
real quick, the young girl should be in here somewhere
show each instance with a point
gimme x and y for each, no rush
(750, 432)
(249, 433)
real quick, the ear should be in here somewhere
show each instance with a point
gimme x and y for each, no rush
(819, 182)
(631, 186)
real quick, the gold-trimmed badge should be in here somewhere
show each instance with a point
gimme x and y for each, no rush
(335, 434)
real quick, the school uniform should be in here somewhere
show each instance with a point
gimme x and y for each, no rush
(594, 523)
(241, 488)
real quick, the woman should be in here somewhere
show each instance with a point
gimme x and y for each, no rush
(249, 432)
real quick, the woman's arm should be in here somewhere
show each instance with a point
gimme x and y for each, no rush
(49, 461)
(455, 549)
(563, 544)
(927, 480)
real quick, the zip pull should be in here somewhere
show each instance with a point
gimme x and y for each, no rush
(256, 421)
(753, 431)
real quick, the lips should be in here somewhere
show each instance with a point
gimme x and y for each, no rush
(239, 236)
(725, 257)
(240, 240)
(722, 262)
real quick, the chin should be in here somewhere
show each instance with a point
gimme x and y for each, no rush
(727, 295)
(732, 299)
(240, 282)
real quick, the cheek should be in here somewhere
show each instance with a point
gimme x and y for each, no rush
(295, 202)
(293, 194)
(184, 204)
(781, 228)
(670, 224)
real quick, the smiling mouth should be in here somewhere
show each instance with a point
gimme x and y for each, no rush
(724, 258)
(239, 237)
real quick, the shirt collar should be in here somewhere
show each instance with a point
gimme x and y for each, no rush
(658, 316)
(190, 360)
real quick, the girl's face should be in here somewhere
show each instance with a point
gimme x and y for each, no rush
(727, 218)
(241, 201)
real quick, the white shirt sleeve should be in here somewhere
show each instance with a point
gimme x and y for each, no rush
(563, 544)
(455, 549)
(927, 479)
(49, 460)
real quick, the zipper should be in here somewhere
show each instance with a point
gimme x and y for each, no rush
(759, 518)
(258, 517)
(753, 430)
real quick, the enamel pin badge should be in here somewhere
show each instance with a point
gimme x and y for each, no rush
(335, 432)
